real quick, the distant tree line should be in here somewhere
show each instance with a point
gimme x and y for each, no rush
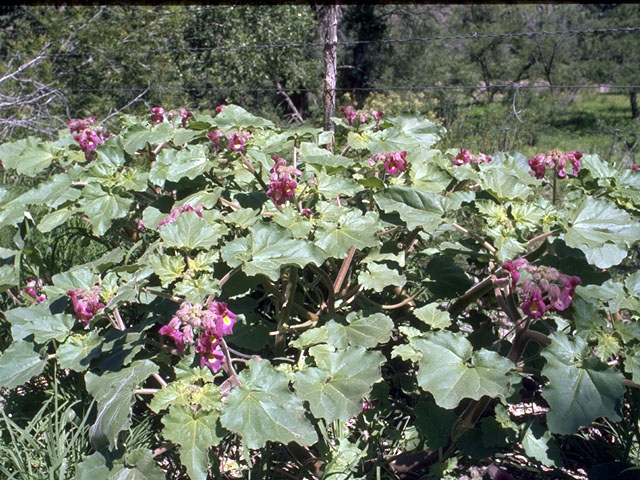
(62, 62)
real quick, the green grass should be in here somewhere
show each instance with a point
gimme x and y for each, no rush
(591, 123)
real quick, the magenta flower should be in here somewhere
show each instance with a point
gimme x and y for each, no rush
(377, 116)
(557, 160)
(186, 115)
(544, 289)
(171, 330)
(33, 290)
(86, 303)
(219, 108)
(463, 158)
(225, 319)
(282, 186)
(396, 162)
(87, 136)
(210, 353)
(635, 166)
(236, 141)
(533, 306)
(348, 114)
(176, 212)
(157, 115)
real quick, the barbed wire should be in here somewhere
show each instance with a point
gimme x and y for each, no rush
(506, 86)
(473, 36)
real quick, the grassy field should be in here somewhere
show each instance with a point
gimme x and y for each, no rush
(595, 123)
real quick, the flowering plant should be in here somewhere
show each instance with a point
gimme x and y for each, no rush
(285, 298)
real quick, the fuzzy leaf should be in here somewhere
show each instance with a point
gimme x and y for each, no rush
(450, 370)
(267, 249)
(114, 393)
(602, 231)
(263, 409)
(580, 388)
(195, 432)
(19, 363)
(336, 388)
(365, 332)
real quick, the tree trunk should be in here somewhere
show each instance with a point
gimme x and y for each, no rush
(329, 29)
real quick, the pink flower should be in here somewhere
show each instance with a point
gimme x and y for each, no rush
(306, 212)
(87, 136)
(533, 306)
(236, 142)
(157, 115)
(396, 162)
(176, 335)
(348, 114)
(210, 353)
(86, 303)
(225, 319)
(186, 115)
(282, 186)
(219, 108)
(139, 223)
(556, 160)
(176, 212)
(377, 116)
(33, 290)
(462, 158)
(635, 166)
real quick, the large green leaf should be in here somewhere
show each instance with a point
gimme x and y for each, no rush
(234, 116)
(580, 388)
(189, 162)
(377, 276)
(432, 316)
(78, 350)
(336, 388)
(101, 207)
(360, 331)
(167, 267)
(19, 363)
(450, 370)
(195, 432)
(311, 153)
(416, 208)
(190, 231)
(353, 229)
(54, 219)
(267, 249)
(34, 160)
(602, 231)
(137, 137)
(263, 409)
(114, 393)
(503, 184)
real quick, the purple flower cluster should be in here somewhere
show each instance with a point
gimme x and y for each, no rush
(33, 290)
(235, 140)
(87, 136)
(394, 162)
(209, 324)
(350, 115)
(464, 157)
(86, 303)
(158, 114)
(176, 212)
(544, 289)
(557, 160)
(282, 185)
